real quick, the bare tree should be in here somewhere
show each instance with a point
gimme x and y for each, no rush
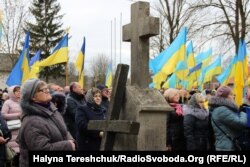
(14, 13)
(98, 68)
(228, 22)
(173, 14)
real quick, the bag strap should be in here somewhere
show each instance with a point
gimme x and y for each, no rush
(229, 137)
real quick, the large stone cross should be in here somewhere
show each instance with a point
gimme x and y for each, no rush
(138, 32)
(113, 125)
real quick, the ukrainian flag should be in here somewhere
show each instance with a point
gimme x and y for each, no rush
(171, 82)
(59, 54)
(108, 81)
(211, 70)
(165, 63)
(225, 75)
(190, 55)
(34, 68)
(181, 70)
(20, 71)
(239, 78)
(204, 57)
(79, 64)
(193, 75)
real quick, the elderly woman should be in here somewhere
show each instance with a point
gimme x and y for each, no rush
(89, 139)
(226, 118)
(42, 127)
(175, 129)
(196, 124)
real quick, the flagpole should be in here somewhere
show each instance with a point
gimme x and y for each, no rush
(111, 49)
(121, 38)
(115, 41)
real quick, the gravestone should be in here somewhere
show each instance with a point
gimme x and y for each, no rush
(136, 115)
(138, 32)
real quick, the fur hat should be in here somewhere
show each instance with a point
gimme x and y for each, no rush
(223, 91)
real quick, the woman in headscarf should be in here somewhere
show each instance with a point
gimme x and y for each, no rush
(92, 110)
(43, 128)
(226, 118)
(196, 123)
(175, 129)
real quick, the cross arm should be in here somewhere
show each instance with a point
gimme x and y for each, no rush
(149, 26)
(117, 126)
(126, 33)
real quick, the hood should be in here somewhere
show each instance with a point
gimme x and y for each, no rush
(216, 101)
(11, 93)
(199, 113)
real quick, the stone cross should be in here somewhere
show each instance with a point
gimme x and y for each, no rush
(138, 32)
(113, 125)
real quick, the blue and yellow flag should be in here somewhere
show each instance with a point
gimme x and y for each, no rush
(108, 80)
(79, 64)
(59, 54)
(181, 70)
(208, 72)
(190, 55)
(165, 63)
(20, 71)
(193, 75)
(34, 68)
(225, 75)
(171, 82)
(239, 81)
(204, 57)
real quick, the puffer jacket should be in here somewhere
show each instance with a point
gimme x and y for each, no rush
(11, 110)
(225, 114)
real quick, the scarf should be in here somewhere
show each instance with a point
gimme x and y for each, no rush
(178, 108)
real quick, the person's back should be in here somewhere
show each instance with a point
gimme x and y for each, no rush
(196, 124)
(226, 119)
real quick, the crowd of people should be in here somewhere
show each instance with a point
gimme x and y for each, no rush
(205, 121)
(53, 118)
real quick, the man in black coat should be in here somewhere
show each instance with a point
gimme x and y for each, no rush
(74, 99)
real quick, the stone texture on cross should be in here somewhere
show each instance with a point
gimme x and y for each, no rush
(138, 32)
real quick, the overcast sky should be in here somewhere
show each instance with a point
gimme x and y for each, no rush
(92, 19)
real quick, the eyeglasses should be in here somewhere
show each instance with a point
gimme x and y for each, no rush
(44, 90)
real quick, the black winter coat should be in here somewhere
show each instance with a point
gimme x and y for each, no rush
(5, 133)
(88, 139)
(73, 101)
(196, 128)
(175, 132)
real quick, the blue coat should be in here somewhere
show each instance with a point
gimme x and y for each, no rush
(225, 114)
(88, 139)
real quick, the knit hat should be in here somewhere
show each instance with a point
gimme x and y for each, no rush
(101, 87)
(223, 91)
(28, 89)
(170, 93)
